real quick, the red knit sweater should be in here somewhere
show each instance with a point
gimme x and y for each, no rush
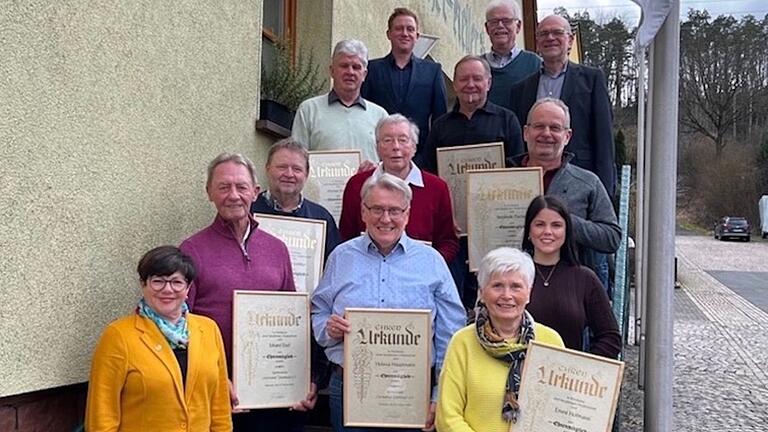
(431, 217)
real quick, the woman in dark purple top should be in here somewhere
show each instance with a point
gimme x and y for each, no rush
(566, 295)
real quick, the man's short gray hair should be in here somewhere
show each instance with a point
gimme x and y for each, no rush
(506, 259)
(469, 58)
(505, 3)
(388, 182)
(558, 103)
(231, 157)
(397, 119)
(289, 144)
(352, 47)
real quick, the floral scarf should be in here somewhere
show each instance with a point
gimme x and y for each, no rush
(509, 352)
(176, 334)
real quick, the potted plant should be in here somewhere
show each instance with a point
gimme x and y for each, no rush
(287, 84)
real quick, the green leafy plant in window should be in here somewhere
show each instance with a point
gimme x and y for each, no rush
(289, 83)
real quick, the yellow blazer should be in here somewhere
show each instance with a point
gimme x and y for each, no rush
(136, 386)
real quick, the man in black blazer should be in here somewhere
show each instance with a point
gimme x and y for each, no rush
(584, 91)
(403, 83)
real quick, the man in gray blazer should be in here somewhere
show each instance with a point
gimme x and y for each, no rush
(584, 91)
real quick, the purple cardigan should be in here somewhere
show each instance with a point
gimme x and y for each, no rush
(222, 267)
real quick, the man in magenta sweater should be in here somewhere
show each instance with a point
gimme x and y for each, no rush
(233, 253)
(431, 215)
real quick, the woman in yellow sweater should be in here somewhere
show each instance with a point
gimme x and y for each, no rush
(480, 378)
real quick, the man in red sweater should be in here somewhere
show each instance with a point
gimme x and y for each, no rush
(431, 218)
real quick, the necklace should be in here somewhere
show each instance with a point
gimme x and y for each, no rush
(549, 276)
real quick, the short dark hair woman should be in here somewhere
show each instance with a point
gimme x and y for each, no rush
(161, 367)
(567, 296)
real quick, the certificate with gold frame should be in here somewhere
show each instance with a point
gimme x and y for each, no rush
(452, 166)
(387, 367)
(329, 171)
(305, 240)
(496, 204)
(270, 348)
(563, 389)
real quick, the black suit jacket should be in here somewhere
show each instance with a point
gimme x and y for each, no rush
(425, 98)
(586, 94)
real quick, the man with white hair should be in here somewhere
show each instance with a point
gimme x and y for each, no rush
(341, 119)
(509, 63)
(384, 268)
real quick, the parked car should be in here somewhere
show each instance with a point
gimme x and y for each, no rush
(733, 227)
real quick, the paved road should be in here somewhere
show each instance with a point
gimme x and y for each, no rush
(721, 340)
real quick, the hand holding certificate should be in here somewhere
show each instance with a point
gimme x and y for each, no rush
(387, 368)
(566, 390)
(496, 205)
(270, 348)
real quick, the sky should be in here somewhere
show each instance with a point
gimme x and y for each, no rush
(630, 11)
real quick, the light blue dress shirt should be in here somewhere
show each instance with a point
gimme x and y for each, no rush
(412, 276)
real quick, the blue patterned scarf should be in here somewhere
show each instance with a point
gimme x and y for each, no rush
(176, 334)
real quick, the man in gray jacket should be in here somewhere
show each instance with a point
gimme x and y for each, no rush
(595, 228)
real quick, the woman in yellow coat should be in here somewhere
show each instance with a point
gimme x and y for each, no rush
(160, 368)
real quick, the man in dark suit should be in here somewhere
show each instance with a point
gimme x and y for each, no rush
(583, 89)
(403, 83)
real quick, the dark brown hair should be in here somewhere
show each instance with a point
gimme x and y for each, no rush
(165, 261)
(568, 252)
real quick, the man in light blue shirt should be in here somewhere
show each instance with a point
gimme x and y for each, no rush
(383, 269)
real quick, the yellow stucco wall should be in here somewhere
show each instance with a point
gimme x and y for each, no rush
(110, 112)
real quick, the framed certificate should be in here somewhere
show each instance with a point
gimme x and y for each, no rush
(452, 166)
(387, 368)
(328, 174)
(270, 348)
(496, 205)
(563, 389)
(305, 239)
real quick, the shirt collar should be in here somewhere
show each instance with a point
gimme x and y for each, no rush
(333, 97)
(403, 243)
(391, 59)
(561, 73)
(510, 55)
(272, 202)
(489, 107)
(414, 176)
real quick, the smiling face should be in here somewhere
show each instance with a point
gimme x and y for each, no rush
(471, 83)
(287, 173)
(160, 295)
(546, 135)
(506, 295)
(384, 230)
(547, 232)
(403, 33)
(502, 27)
(396, 148)
(554, 38)
(232, 191)
(348, 73)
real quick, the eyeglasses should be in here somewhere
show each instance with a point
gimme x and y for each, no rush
(554, 128)
(393, 212)
(402, 140)
(158, 284)
(554, 33)
(506, 21)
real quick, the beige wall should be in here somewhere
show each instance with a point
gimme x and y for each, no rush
(110, 112)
